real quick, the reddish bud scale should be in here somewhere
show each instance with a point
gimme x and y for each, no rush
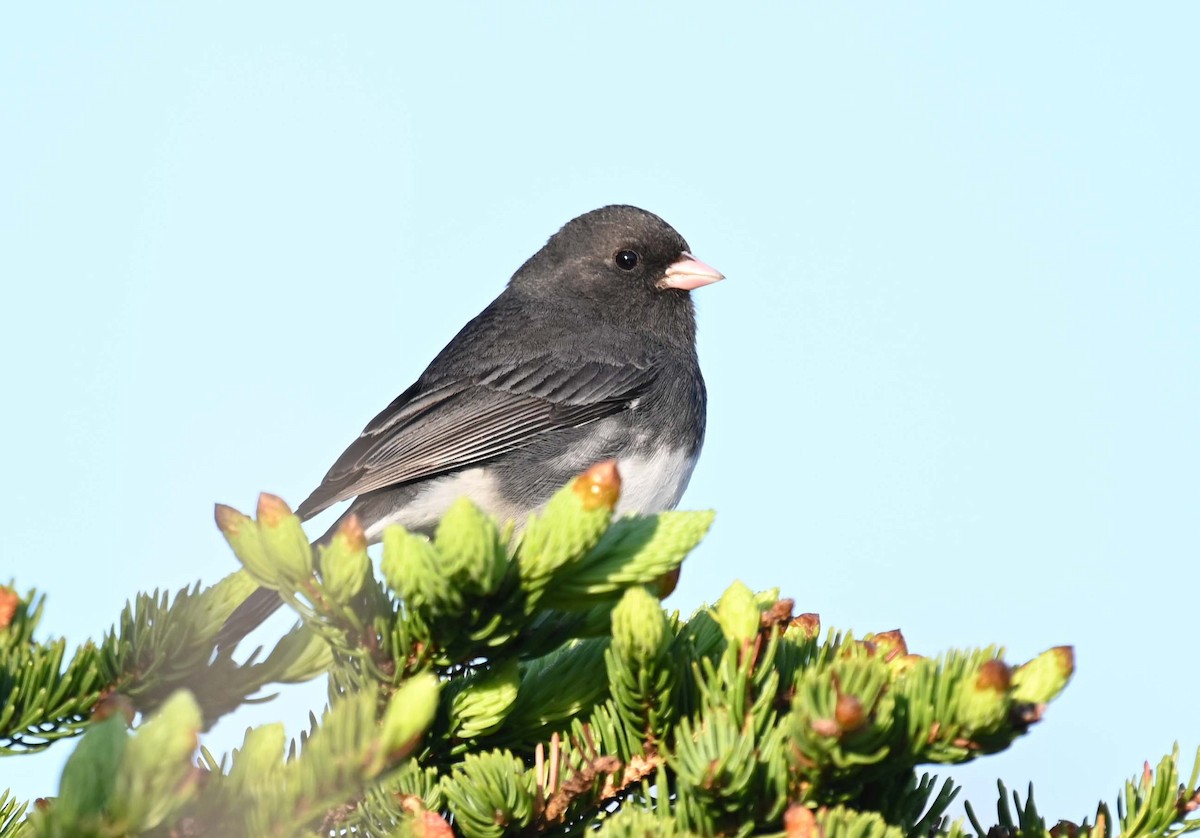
(599, 486)
(849, 714)
(432, 825)
(891, 644)
(779, 614)
(1064, 656)
(112, 704)
(994, 675)
(667, 583)
(903, 664)
(807, 624)
(1064, 829)
(351, 530)
(272, 510)
(799, 822)
(867, 646)
(229, 520)
(8, 606)
(825, 727)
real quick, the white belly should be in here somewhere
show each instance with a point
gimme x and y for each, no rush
(649, 483)
(652, 483)
(428, 507)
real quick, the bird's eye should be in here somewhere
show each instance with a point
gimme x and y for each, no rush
(626, 260)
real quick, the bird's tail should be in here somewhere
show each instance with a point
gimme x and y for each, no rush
(248, 616)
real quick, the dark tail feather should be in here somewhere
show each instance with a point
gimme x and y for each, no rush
(248, 616)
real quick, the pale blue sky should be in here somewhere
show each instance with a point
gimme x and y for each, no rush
(953, 374)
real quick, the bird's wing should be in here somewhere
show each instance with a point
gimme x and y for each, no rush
(437, 427)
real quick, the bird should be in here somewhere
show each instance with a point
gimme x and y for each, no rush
(588, 354)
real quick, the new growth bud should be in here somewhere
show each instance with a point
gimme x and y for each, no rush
(243, 537)
(229, 520)
(994, 675)
(284, 541)
(807, 626)
(1044, 677)
(345, 565)
(984, 701)
(571, 524)
(411, 567)
(891, 644)
(409, 712)
(272, 510)
(8, 606)
(639, 627)
(849, 714)
(599, 487)
(471, 548)
(738, 614)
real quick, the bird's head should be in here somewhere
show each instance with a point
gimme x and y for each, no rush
(619, 257)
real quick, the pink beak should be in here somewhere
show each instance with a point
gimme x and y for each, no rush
(689, 273)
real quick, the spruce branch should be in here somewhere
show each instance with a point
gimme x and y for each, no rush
(493, 682)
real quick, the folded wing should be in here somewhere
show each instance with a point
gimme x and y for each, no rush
(437, 427)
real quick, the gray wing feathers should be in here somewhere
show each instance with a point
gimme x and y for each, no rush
(441, 426)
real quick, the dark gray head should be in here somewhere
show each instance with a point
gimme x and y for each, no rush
(617, 261)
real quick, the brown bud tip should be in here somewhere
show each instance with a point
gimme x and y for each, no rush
(8, 606)
(272, 510)
(799, 822)
(41, 804)
(228, 519)
(906, 662)
(351, 529)
(825, 727)
(807, 624)
(599, 486)
(112, 704)
(667, 582)
(1064, 656)
(849, 713)
(892, 644)
(432, 825)
(1064, 829)
(994, 675)
(779, 614)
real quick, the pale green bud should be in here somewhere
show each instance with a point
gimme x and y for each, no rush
(470, 547)
(260, 759)
(243, 536)
(639, 627)
(1043, 678)
(738, 614)
(345, 565)
(156, 776)
(412, 567)
(983, 700)
(285, 542)
(571, 524)
(409, 713)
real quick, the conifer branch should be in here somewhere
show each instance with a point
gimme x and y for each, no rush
(490, 682)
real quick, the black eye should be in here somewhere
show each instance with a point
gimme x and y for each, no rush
(626, 260)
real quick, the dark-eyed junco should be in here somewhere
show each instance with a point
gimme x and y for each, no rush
(588, 354)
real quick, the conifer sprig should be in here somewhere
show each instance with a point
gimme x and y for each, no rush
(493, 682)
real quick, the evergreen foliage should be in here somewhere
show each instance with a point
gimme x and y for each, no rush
(493, 683)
